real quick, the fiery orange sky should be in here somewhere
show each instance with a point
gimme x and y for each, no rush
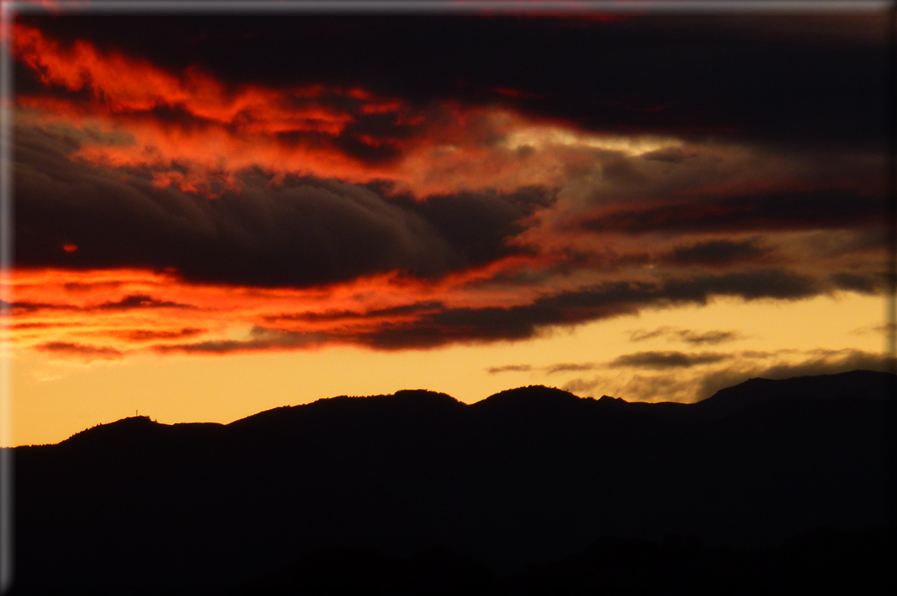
(268, 210)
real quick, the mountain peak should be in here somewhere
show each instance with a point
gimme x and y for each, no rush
(418, 395)
(865, 384)
(124, 429)
(531, 396)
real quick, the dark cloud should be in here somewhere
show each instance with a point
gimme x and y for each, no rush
(261, 339)
(80, 350)
(672, 155)
(131, 302)
(357, 146)
(140, 301)
(881, 328)
(772, 212)
(700, 75)
(150, 335)
(431, 324)
(686, 335)
(580, 306)
(750, 285)
(15, 325)
(803, 96)
(515, 323)
(509, 368)
(339, 315)
(303, 233)
(568, 367)
(642, 335)
(715, 253)
(375, 139)
(708, 337)
(74, 286)
(479, 224)
(765, 353)
(858, 282)
(19, 307)
(664, 360)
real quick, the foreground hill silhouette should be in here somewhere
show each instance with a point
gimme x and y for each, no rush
(519, 485)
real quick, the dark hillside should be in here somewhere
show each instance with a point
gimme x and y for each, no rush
(524, 477)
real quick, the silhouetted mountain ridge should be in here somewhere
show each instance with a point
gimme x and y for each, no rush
(409, 402)
(526, 476)
(139, 428)
(854, 384)
(531, 396)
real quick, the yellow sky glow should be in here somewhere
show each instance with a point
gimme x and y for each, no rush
(51, 399)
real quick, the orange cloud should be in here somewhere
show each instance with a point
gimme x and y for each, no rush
(214, 131)
(230, 129)
(112, 313)
(127, 84)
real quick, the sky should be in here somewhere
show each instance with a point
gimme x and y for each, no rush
(216, 215)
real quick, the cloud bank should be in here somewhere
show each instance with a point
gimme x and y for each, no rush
(247, 204)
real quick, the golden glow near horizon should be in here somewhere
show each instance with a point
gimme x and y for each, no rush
(53, 399)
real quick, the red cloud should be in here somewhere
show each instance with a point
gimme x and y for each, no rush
(124, 84)
(67, 312)
(212, 131)
(229, 129)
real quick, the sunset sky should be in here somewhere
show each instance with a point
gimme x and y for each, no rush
(218, 215)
